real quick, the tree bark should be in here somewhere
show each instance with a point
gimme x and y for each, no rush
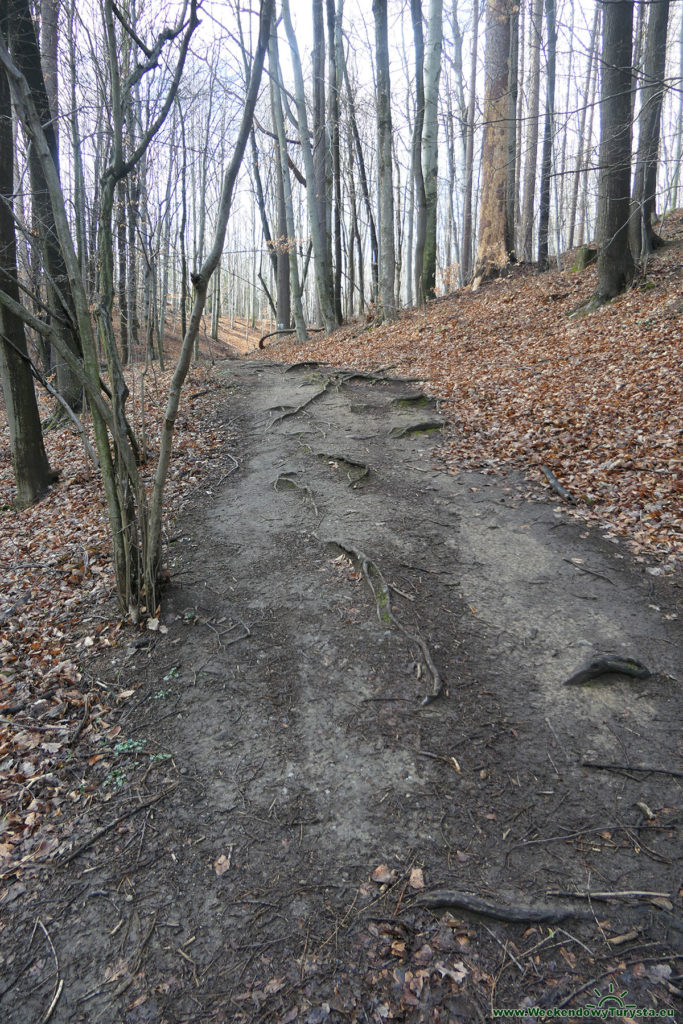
(24, 47)
(467, 218)
(316, 209)
(530, 166)
(418, 176)
(288, 242)
(615, 263)
(547, 157)
(643, 237)
(386, 188)
(493, 253)
(32, 472)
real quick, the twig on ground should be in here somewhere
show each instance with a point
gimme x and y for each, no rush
(591, 572)
(59, 984)
(82, 724)
(606, 896)
(632, 768)
(63, 861)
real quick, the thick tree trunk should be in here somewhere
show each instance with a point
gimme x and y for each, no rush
(643, 238)
(386, 189)
(493, 253)
(615, 263)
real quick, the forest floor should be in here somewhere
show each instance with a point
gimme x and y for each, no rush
(253, 811)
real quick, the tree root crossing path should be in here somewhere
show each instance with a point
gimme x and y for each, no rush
(372, 796)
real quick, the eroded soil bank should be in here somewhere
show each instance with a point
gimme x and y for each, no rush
(289, 803)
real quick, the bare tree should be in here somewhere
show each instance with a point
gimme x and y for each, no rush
(615, 263)
(643, 237)
(493, 253)
(387, 254)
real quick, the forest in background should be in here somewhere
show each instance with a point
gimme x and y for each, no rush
(177, 168)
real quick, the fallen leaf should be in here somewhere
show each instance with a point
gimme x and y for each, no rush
(416, 880)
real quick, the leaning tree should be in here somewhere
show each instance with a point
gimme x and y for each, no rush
(135, 519)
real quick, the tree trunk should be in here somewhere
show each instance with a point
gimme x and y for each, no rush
(643, 237)
(528, 210)
(32, 472)
(493, 253)
(316, 206)
(418, 176)
(384, 137)
(584, 143)
(430, 140)
(334, 19)
(295, 288)
(510, 184)
(547, 158)
(467, 226)
(365, 191)
(24, 46)
(615, 263)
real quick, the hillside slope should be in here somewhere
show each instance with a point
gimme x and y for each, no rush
(595, 399)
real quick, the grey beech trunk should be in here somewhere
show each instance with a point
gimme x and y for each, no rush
(615, 263)
(288, 243)
(547, 156)
(316, 208)
(531, 160)
(387, 257)
(32, 472)
(418, 175)
(26, 54)
(467, 217)
(643, 237)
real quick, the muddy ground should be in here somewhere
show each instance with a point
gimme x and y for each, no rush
(287, 802)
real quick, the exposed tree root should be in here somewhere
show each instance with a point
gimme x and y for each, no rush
(413, 399)
(287, 481)
(423, 427)
(557, 486)
(381, 592)
(356, 471)
(306, 364)
(502, 912)
(602, 666)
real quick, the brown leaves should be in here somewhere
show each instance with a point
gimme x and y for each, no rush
(596, 399)
(57, 612)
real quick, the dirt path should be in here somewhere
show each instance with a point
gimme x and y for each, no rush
(285, 704)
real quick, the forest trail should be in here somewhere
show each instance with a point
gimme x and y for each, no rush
(267, 861)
